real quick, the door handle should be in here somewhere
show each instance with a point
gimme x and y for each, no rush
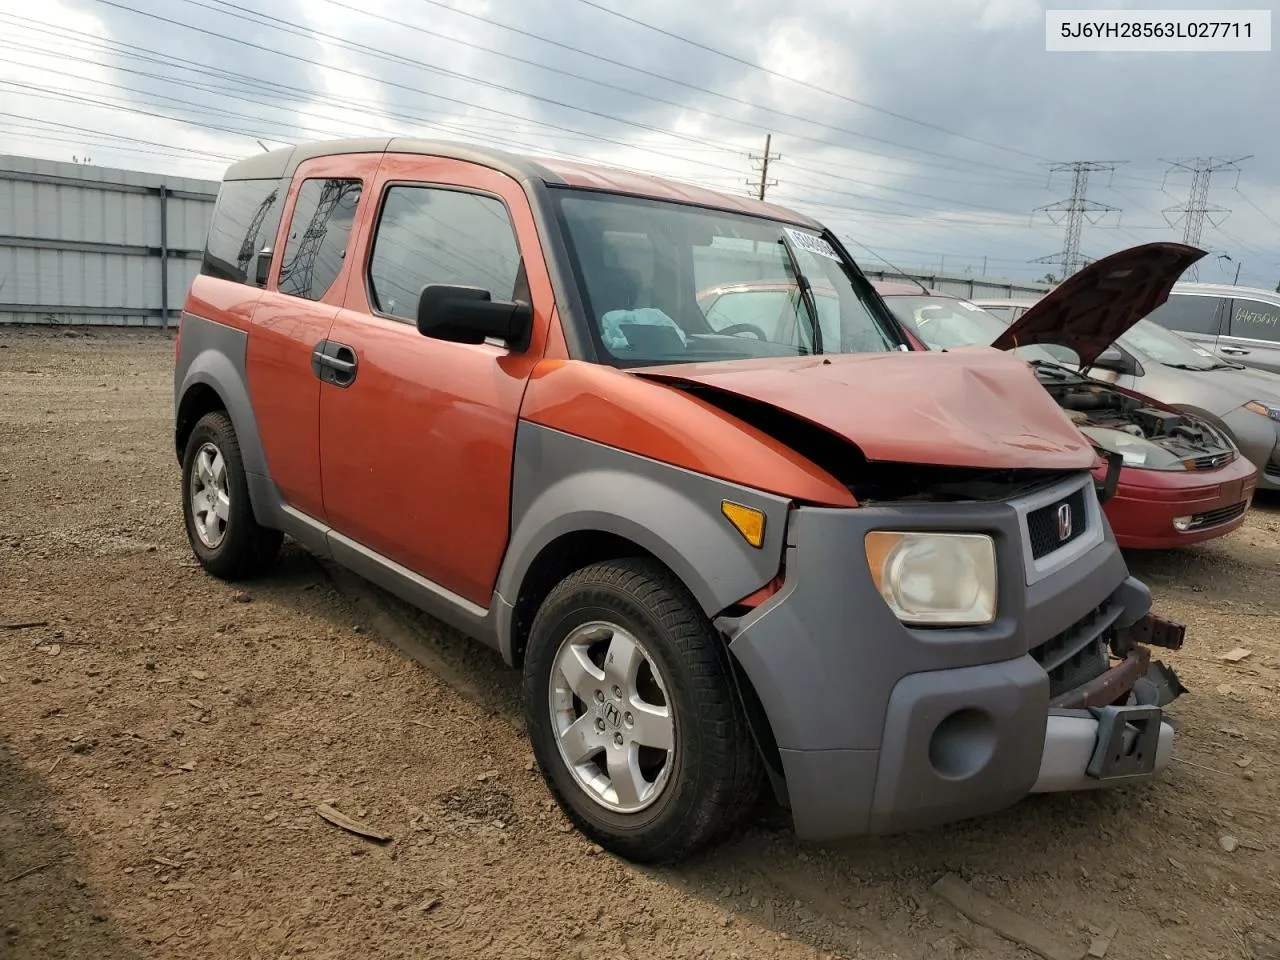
(1234, 351)
(334, 363)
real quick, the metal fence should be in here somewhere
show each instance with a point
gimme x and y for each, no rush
(81, 244)
(93, 245)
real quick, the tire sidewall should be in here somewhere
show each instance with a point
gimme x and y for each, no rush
(593, 602)
(216, 430)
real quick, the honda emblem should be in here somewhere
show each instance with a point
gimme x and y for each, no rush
(1064, 521)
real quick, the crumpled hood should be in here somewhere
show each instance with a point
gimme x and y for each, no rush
(974, 407)
(1095, 305)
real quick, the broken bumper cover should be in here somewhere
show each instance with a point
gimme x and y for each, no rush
(881, 728)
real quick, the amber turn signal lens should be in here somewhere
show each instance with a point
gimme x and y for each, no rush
(747, 520)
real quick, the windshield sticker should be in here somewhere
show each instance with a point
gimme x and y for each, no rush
(811, 244)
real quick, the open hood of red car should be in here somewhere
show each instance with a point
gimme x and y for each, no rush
(972, 407)
(1094, 306)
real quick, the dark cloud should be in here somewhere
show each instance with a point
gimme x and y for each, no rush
(921, 194)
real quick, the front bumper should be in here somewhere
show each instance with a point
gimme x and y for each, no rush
(1258, 438)
(881, 728)
(1147, 501)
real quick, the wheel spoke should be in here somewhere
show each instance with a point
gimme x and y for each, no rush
(580, 739)
(624, 773)
(622, 662)
(653, 726)
(218, 469)
(203, 467)
(223, 506)
(583, 677)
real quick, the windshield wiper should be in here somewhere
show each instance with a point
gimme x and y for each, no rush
(806, 291)
(1188, 366)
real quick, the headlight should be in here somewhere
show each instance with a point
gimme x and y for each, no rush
(1136, 451)
(935, 579)
(1264, 408)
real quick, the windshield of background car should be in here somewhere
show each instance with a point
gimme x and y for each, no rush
(947, 322)
(1162, 346)
(665, 282)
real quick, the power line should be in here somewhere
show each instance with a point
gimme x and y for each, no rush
(1075, 210)
(804, 83)
(1196, 209)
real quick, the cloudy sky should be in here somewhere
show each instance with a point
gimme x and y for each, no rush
(922, 129)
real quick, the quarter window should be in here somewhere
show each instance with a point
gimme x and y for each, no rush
(318, 234)
(245, 219)
(1255, 319)
(1187, 313)
(431, 235)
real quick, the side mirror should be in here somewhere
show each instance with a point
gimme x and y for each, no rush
(262, 267)
(1114, 359)
(471, 315)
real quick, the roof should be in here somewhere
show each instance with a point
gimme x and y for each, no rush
(524, 168)
(1226, 290)
(891, 288)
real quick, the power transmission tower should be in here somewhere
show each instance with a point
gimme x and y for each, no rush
(1075, 210)
(1196, 210)
(764, 182)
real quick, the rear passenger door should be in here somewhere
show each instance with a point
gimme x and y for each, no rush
(417, 444)
(307, 281)
(1253, 334)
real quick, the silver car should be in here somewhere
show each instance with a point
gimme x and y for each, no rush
(1239, 323)
(1147, 358)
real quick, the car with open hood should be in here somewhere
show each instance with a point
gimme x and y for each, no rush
(877, 579)
(1242, 401)
(1183, 479)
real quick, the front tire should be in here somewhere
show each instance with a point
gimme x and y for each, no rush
(632, 714)
(221, 528)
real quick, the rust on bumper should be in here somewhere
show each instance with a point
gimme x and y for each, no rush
(1135, 662)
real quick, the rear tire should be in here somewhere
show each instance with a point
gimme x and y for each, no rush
(632, 713)
(221, 528)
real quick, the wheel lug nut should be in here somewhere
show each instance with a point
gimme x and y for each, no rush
(599, 696)
(617, 693)
(617, 738)
(599, 724)
(629, 720)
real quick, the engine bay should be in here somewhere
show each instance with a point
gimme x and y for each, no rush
(1100, 411)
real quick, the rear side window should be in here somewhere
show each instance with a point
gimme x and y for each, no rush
(1255, 319)
(1189, 314)
(318, 233)
(245, 219)
(429, 235)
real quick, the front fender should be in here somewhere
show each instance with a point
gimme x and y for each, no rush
(562, 484)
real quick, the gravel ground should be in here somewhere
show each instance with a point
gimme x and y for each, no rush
(165, 740)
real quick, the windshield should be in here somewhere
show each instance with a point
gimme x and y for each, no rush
(947, 322)
(666, 282)
(1163, 346)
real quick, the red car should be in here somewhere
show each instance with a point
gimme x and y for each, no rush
(1182, 480)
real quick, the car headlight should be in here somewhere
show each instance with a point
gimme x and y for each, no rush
(1136, 451)
(1264, 408)
(935, 579)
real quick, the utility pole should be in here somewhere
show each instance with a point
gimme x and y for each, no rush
(1196, 210)
(764, 182)
(1075, 210)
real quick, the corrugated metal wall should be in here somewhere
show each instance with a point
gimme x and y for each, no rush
(94, 245)
(971, 288)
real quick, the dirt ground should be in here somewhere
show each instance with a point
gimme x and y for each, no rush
(165, 740)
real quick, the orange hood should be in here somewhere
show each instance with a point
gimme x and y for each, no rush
(973, 407)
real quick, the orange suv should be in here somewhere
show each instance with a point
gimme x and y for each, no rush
(723, 550)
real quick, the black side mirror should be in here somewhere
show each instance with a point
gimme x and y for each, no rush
(471, 315)
(262, 267)
(1114, 359)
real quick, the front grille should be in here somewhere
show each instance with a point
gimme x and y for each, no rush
(1078, 654)
(1042, 524)
(1213, 518)
(1213, 460)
